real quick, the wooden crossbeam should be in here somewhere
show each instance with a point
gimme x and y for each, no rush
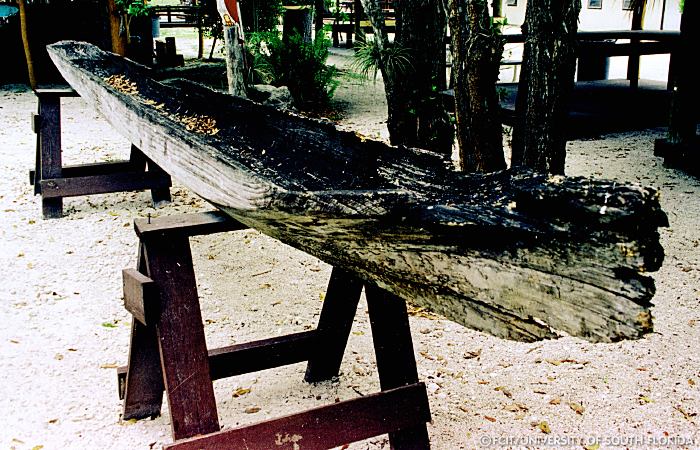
(140, 296)
(252, 356)
(102, 184)
(35, 120)
(59, 92)
(168, 355)
(90, 169)
(187, 224)
(53, 181)
(325, 427)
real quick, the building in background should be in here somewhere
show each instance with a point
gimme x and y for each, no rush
(601, 15)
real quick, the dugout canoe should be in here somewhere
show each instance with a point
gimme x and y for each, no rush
(519, 255)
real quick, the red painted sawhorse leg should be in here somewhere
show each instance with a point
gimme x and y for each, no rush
(168, 353)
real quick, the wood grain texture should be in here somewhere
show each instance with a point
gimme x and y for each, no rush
(327, 426)
(516, 254)
(49, 150)
(140, 296)
(181, 342)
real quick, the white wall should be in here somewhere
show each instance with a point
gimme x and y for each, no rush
(611, 16)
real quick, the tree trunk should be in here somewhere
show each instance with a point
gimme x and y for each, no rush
(546, 84)
(235, 64)
(477, 48)
(416, 115)
(297, 20)
(497, 8)
(638, 12)
(683, 117)
(357, 15)
(233, 47)
(319, 10)
(118, 38)
(25, 43)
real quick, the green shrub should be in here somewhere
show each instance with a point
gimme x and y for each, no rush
(261, 15)
(368, 58)
(299, 65)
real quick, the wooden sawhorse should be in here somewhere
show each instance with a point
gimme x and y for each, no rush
(168, 354)
(54, 181)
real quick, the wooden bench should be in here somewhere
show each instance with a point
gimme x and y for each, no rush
(168, 354)
(357, 21)
(53, 181)
(179, 16)
(594, 45)
(182, 16)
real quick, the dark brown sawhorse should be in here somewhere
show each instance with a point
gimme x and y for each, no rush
(168, 354)
(54, 181)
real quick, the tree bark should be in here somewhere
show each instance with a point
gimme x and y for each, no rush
(235, 64)
(683, 117)
(319, 10)
(233, 46)
(25, 43)
(546, 84)
(638, 12)
(119, 44)
(476, 54)
(416, 115)
(297, 20)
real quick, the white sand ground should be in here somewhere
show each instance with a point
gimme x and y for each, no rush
(63, 328)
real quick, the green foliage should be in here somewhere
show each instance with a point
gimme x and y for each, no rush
(369, 58)
(299, 65)
(134, 8)
(261, 15)
(497, 24)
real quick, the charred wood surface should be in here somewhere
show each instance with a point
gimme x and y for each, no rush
(512, 253)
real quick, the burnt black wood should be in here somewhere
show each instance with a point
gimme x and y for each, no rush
(519, 255)
(337, 315)
(324, 427)
(396, 361)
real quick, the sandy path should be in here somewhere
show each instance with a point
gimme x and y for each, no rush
(64, 328)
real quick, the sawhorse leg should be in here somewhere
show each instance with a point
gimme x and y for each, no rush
(337, 316)
(169, 353)
(53, 181)
(182, 352)
(49, 151)
(140, 163)
(396, 362)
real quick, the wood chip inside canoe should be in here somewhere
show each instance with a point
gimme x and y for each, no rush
(122, 84)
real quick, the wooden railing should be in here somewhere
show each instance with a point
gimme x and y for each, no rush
(179, 16)
(350, 20)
